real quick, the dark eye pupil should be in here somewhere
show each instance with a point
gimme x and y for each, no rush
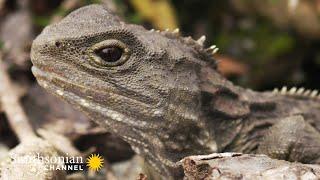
(110, 54)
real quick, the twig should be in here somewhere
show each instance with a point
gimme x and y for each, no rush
(12, 107)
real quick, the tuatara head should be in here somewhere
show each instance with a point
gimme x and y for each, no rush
(139, 84)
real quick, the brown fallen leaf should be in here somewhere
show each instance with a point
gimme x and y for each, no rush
(229, 66)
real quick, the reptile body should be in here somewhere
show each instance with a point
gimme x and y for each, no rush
(161, 93)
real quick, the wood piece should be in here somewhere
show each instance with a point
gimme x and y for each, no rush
(245, 166)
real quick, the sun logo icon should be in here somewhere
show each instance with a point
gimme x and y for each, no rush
(95, 162)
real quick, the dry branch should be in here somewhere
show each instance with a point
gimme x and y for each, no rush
(245, 166)
(23, 162)
(12, 107)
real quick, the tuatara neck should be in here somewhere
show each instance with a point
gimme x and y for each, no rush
(228, 108)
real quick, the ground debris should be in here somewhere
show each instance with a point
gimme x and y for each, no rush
(245, 166)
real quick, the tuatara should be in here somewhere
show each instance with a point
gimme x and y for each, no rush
(162, 93)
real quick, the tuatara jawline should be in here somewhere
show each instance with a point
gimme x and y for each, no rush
(162, 93)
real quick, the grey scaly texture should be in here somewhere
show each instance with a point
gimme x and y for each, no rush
(162, 94)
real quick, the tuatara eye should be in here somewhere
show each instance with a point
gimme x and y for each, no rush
(109, 53)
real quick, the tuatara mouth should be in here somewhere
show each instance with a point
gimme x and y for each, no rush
(54, 83)
(65, 85)
(49, 82)
(58, 86)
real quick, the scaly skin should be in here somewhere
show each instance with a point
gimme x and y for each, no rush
(164, 95)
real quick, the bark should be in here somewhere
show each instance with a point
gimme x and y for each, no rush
(245, 166)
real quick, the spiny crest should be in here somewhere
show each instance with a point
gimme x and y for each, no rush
(198, 45)
(298, 92)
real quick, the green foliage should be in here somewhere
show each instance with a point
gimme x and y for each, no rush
(1, 44)
(260, 41)
(41, 21)
(135, 18)
(93, 1)
(280, 44)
